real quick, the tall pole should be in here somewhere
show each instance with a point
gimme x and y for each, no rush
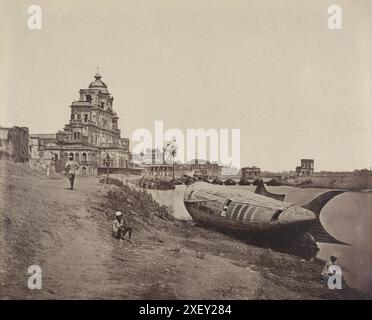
(107, 163)
(173, 169)
(173, 155)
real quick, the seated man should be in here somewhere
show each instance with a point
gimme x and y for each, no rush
(223, 213)
(117, 226)
(120, 226)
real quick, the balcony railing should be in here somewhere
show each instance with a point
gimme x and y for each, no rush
(82, 103)
(87, 162)
(79, 121)
(108, 145)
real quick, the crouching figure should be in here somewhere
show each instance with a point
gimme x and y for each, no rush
(120, 227)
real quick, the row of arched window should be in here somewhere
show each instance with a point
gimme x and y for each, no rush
(85, 157)
(76, 156)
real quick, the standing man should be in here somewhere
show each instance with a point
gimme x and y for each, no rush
(71, 168)
(326, 272)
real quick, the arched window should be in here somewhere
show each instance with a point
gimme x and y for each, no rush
(88, 98)
(77, 156)
(71, 155)
(84, 157)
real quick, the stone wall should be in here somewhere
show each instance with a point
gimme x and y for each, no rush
(125, 171)
(14, 144)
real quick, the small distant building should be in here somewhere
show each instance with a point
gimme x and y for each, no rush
(206, 168)
(198, 167)
(229, 171)
(250, 172)
(306, 168)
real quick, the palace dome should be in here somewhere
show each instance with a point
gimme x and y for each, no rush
(98, 83)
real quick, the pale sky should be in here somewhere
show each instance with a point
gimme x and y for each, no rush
(271, 68)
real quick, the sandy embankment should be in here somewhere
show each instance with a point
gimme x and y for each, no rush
(346, 182)
(68, 233)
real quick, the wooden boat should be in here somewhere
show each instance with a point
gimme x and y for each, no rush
(274, 182)
(258, 213)
(177, 181)
(217, 181)
(229, 182)
(244, 182)
(151, 182)
(255, 182)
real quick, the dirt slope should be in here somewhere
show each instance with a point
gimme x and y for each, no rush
(67, 233)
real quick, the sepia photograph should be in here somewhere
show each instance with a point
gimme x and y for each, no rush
(172, 150)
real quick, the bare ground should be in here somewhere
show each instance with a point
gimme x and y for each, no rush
(68, 234)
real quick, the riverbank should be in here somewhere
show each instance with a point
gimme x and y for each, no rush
(346, 182)
(68, 234)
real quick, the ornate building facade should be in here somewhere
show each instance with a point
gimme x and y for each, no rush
(91, 134)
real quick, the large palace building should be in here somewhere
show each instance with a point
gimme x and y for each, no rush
(91, 134)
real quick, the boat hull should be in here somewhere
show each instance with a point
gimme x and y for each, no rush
(291, 239)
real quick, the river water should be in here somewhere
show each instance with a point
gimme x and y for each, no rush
(348, 217)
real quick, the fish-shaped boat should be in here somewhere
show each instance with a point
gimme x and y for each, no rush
(258, 213)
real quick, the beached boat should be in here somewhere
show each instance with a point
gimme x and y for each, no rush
(230, 182)
(244, 182)
(258, 213)
(150, 182)
(217, 181)
(274, 182)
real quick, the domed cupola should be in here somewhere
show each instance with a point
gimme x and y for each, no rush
(98, 83)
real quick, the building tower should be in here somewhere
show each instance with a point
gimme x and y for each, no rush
(92, 132)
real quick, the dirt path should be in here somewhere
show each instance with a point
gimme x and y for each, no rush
(45, 224)
(68, 235)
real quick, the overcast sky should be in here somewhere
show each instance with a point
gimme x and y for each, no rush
(271, 68)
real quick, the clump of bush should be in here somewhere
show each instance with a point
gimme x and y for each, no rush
(142, 203)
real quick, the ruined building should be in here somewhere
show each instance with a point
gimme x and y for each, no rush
(14, 144)
(306, 168)
(91, 134)
(250, 172)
